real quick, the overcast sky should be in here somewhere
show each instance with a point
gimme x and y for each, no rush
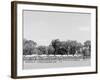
(42, 26)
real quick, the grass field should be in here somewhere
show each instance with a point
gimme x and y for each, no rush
(39, 62)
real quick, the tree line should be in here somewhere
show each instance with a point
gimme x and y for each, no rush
(57, 47)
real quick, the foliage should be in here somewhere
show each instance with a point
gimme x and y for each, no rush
(28, 47)
(87, 48)
(50, 49)
(42, 49)
(57, 47)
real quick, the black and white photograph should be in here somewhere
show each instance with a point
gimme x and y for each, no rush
(56, 39)
(53, 39)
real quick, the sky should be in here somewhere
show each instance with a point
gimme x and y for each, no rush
(43, 27)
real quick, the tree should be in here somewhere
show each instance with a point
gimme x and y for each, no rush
(55, 43)
(68, 46)
(61, 51)
(63, 48)
(73, 47)
(50, 50)
(87, 48)
(28, 47)
(42, 50)
(87, 44)
(79, 48)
